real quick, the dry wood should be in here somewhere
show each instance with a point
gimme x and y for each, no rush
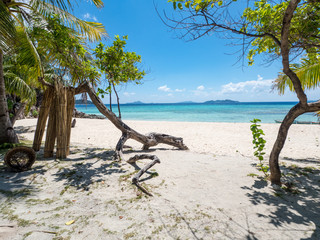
(135, 179)
(51, 132)
(70, 107)
(61, 120)
(148, 141)
(42, 118)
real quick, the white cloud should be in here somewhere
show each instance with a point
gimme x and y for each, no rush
(88, 16)
(164, 88)
(200, 88)
(255, 86)
(129, 94)
(170, 95)
(180, 90)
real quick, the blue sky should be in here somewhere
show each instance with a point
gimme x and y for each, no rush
(178, 70)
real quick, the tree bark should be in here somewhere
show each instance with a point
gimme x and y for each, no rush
(110, 97)
(118, 99)
(17, 113)
(302, 107)
(147, 141)
(7, 133)
(294, 112)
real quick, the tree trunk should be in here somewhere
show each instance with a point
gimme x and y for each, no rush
(294, 112)
(7, 133)
(17, 113)
(298, 109)
(148, 141)
(110, 97)
(118, 102)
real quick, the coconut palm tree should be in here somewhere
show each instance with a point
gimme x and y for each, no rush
(308, 72)
(15, 17)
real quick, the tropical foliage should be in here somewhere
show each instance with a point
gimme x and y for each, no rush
(118, 65)
(16, 17)
(308, 72)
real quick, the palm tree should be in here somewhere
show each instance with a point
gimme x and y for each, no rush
(308, 72)
(15, 17)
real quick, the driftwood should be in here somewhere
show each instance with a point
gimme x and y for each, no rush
(149, 140)
(59, 127)
(135, 179)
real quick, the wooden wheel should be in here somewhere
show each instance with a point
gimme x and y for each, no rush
(20, 158)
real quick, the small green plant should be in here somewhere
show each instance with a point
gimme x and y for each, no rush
(35, 113)
(259, 145)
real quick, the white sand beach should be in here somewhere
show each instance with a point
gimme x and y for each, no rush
(202, 193)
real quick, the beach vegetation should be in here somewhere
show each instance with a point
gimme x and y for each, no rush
(16, 18)
(277, 29)
(259, 145)
(118, 65)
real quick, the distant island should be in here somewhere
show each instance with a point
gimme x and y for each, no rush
(216, 102)
(226, 101)
(137, 102)
(79, 101)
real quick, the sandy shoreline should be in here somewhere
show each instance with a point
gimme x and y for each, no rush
(230, 139)
(203, 193)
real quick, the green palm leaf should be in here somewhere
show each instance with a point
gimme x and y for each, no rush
(308, 73)
(7, 27)
(92, 30)
(15, 85)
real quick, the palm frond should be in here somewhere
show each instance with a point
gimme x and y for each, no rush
(308, 73)
(7, 28)
(92, 30)
(28, 54)
(15, 85)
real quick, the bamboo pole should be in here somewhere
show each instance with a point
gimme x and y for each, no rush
(61, 120)
(51, 131)
(43, 116)
(70, 107)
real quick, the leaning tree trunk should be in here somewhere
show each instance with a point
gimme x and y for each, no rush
(147, 141)
(294, 112)
(297, 110)
(7, 133)
(17, 113)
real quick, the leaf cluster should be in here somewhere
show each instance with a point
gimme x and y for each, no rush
(118, 65)
(63, 49)
(265, 18)
(196, 5)
(308, 71)
(258, 144)
(259, 26)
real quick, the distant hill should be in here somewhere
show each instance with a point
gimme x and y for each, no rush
(187, 102)
(79, 101)
(137, 102)
(226, 101)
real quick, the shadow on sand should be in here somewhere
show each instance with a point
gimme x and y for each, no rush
(297, 201)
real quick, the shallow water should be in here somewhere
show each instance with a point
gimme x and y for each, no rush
(239, 112)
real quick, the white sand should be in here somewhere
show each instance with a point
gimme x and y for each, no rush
(203, 193)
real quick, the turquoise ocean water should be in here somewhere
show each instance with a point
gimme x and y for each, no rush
(239, 112)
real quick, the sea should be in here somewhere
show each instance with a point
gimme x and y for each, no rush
(239, 112)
